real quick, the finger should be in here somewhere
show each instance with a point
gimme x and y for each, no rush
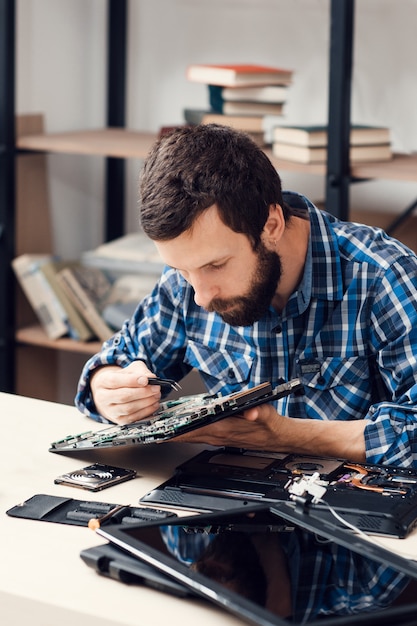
(258, 413)
(251, 415)
(232, 430)
(125, 395)
(143, 381)
(131, 403)
(133, 411)
(134, 375)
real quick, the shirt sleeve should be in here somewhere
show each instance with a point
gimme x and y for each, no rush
(155, 334)
(391, 423)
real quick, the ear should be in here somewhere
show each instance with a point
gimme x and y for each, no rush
(274, 227)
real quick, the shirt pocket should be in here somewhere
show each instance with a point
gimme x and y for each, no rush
(327, 373)
(221, 369)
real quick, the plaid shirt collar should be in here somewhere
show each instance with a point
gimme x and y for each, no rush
(322, 278)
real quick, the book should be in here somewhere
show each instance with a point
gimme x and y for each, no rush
(265, 123)
(246, 99)
(126, 293)
(248, 123)
(88, 288)
(115, 314)
(230, 75)
(79, 329)
(130, 254)
(42, 298)
(253, 108)
(308, 154)
(317, 135)
(129, 287)
(264, 93)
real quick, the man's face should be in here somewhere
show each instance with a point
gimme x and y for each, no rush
(249, 307)
(227, 275)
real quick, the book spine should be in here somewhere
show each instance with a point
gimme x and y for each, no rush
(79, 329)
(117, 267)
(41, 296)
(216, 100)
(83, 304)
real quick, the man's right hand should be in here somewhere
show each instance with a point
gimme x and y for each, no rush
(122, 395)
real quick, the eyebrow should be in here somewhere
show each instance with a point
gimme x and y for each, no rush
(219, 261)
(216, 261)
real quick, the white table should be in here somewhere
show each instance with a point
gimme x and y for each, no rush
(43, 581)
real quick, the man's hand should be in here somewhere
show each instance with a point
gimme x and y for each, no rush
(123, 395)
(256, 429)
(262, 428)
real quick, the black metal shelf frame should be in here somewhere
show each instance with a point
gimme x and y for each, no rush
(7, 192)
(115, 168)
(338, 178)
(116, 115)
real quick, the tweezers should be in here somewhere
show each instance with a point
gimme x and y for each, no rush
(165, 382)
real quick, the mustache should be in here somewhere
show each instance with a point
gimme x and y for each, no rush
(219, 305)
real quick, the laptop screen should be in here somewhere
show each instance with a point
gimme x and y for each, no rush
(257, 563)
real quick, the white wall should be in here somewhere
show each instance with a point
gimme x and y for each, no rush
(61, 47)
(61, 72)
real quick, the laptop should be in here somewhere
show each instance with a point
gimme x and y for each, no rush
(378, 499)
(111, 562)
(176, 417)
(185, 551)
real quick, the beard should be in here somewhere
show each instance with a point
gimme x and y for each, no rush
(247, 309)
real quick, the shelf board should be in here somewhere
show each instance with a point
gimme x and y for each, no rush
(111, 142)
(401, 167)
(35, 336)
(124, 143)
(293, 166)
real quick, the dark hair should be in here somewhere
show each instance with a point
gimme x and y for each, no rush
(192, 168)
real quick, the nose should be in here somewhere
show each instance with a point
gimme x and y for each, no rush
(204, 292)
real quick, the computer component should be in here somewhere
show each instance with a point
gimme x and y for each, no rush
(176, 417)
(64, 510)
(95, 477)
(374, 498)
(203, 553)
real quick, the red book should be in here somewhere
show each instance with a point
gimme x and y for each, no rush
(238, 75)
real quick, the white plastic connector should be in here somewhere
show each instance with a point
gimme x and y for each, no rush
(311, 485)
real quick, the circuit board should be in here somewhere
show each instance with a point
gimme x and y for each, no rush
(176, 417)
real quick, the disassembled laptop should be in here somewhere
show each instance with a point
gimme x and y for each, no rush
(176, 417)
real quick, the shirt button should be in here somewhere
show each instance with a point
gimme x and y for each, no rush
(277, 329)
(231, 373)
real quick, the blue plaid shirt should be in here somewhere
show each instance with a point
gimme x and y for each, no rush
(349, 332)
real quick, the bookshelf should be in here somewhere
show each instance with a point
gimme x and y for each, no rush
(340, 174)
(33, 335)
(26, 354)
(116, 143)
(107, 142)
(401, 167)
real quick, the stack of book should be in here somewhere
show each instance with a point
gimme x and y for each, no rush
(89, 298)
(308, 144)
(133, 253)
(246, 97)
